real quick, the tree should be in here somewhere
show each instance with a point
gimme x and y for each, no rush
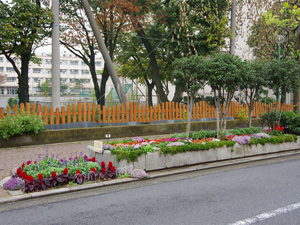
(283, 76)
(287, 20)
(253, 80)
(177, 29)
(189, 72)
(45, 88)
(224, 77)
(78, 37)
(24, 24)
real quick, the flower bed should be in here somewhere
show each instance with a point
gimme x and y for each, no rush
(52, 172)
(178, 151)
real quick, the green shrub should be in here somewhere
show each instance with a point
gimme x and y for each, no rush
(243, 131)
(13, 101)
(20, 124)
(269, 119)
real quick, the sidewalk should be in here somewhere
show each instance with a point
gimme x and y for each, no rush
(11, 158)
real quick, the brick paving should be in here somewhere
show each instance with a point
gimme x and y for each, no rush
(10, 158)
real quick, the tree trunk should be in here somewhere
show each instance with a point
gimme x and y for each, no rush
(96, 85)
(250, 115)
(296, 101)
(178, 94)
(155, 70)
(150, 87)
(190, 109)
(105, 76)
(23, 78)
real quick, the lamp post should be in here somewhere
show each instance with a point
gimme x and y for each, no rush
(279, 40)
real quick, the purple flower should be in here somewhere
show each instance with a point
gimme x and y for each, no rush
(138, 173)
(13, 183)
(260, 135)
(138, 139)
(107, 147)
(175, 144)
(241, 139)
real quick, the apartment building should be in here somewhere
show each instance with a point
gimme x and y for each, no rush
(74, 74)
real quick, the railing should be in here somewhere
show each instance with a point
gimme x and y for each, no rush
(131, 112)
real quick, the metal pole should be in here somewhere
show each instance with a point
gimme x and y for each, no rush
(106, 57)
(279, 62)
(233, 27)
(55, 56)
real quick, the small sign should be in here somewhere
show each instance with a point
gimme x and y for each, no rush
(98, 146)
(107, 135)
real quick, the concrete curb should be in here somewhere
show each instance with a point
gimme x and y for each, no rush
(19, 196)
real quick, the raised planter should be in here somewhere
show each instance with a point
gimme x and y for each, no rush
(96, 133)
(156, 160)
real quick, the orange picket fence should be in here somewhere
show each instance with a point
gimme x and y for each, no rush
(130, 112)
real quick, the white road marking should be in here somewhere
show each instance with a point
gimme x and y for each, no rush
(268, 215)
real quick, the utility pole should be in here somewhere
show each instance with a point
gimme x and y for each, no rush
(106, 57)
(55, 56)
(233, 27)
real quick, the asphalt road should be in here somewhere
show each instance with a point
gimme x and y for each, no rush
(252, 194)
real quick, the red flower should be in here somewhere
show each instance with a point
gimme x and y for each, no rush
(35, 162)
(112, 169)
(61, 160)
(29, 178)
(76, 157)
(110, 165)
(22, 174)
(78, 171)
(102, 164)
(40, 175)
(53, 174)
(90, 160)
(29, 162)
(93, 159)
(23, 165)
(19, 171)
(70, 158)
(93, 170)
(103, 170)
(85, 157)
(65, 171)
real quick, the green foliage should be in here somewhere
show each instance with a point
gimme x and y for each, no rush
(203, 134)
(283, 76)
(20, 124)
(269, 100)
(13, 101)
(269, 119)
(243, 131)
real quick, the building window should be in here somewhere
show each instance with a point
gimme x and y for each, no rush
(9, 70)
(86, 81)
(48, 61)
(74, 62)
(62, 71)
(49, 71)
(37, 70)
(1, 59)
(36, 80)
(1, 91)
(12, 91)
(49, 80)
(63, 62)
(98, 63)
(83, 63)
(1, 69)
(83, 72)
(74, 72)
(11, 79)
(63, 80)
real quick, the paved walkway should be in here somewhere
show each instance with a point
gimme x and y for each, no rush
(11, 158)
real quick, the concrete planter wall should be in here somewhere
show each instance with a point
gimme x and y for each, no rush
(156, 160)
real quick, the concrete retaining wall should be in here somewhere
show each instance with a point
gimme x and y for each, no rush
(155, 161)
